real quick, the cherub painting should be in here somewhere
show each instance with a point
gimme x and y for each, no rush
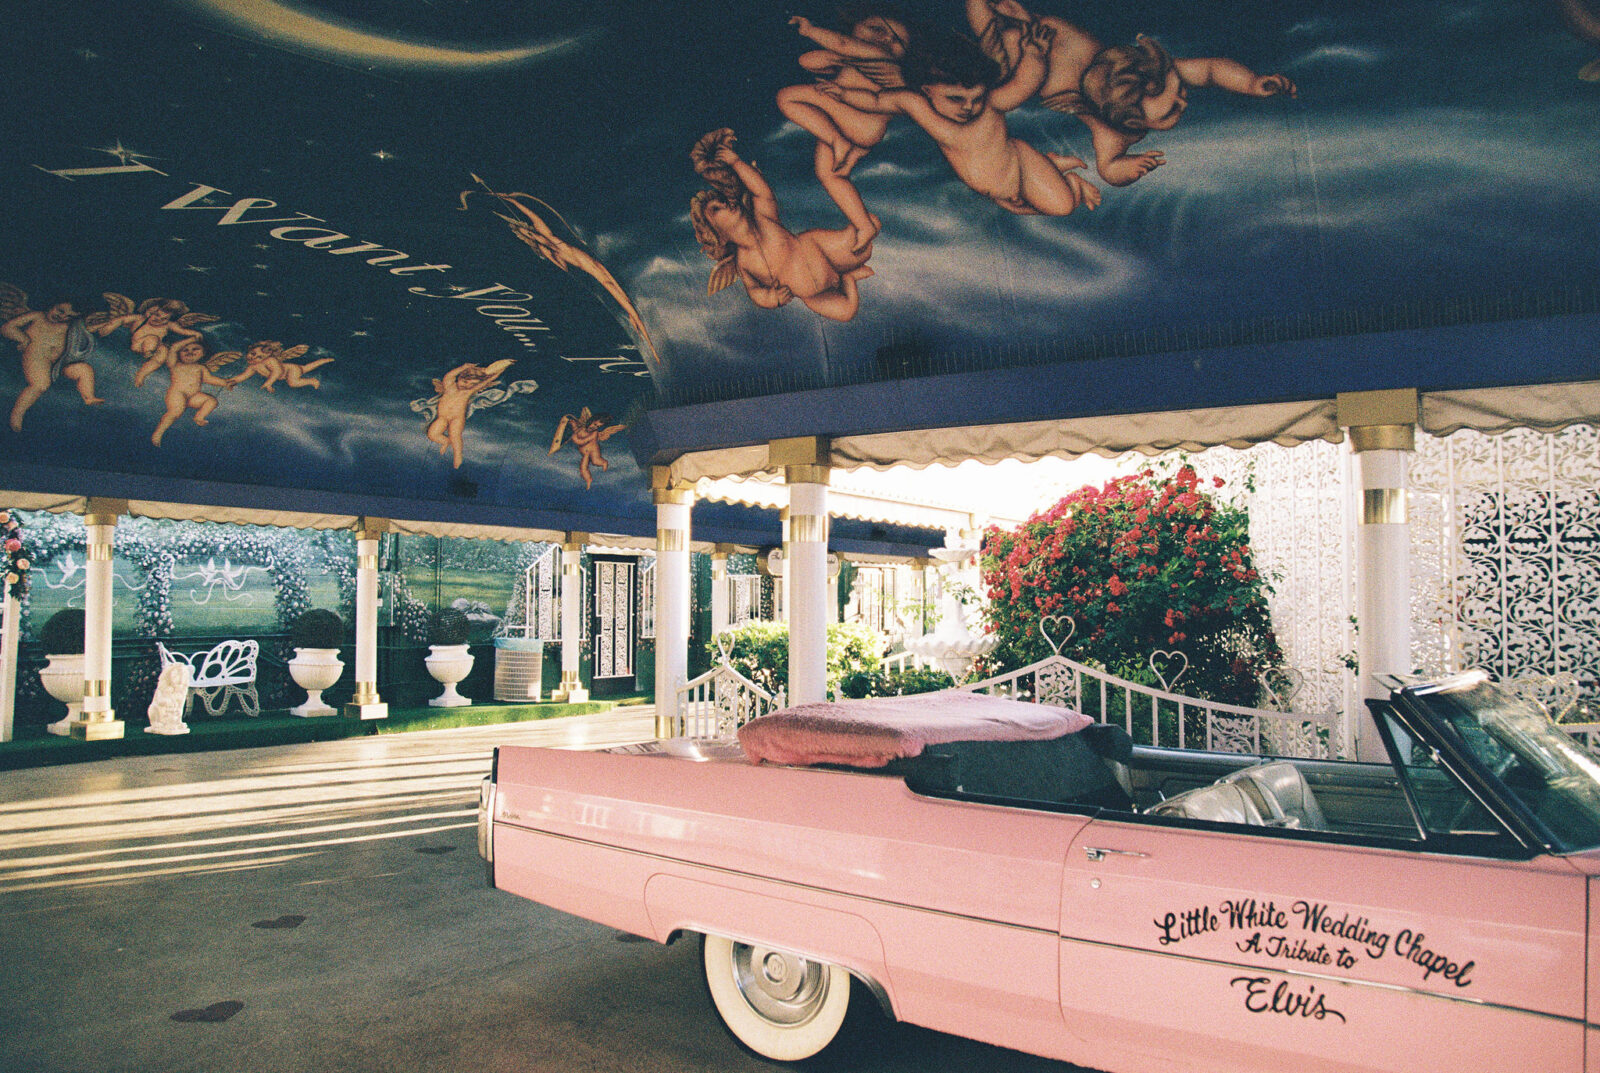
(190, 373)
(959, 97)
(737, 225)
(53, 343)
(589, 431)
(269, 360)
(455, 397)
(531, 229)
(158, 324)
(1583, 19)
(1120, 93)
(866, 57)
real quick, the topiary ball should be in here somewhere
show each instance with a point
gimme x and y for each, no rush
(317, 629)
(63, 634)
(449, 627)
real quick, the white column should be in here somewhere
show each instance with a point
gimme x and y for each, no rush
(98, 719)
(571, 690)
(805, 575)
(835, 613)
(1382, 437)
(10, 626)
(719, 589)
(673, 508)
(366, 704)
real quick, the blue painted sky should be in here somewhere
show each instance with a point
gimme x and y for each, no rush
(1435, 152)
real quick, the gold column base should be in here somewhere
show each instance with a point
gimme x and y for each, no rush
(366, 704)
(104, 726)
(666, 726)
(570, 691)
(376, 710)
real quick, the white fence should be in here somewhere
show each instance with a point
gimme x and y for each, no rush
(1161, 717)
(719, 702)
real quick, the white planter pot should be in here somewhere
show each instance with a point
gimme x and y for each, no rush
(313, 670)
(63, 679)
(449, 664)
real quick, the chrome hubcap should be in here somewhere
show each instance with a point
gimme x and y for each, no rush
(781, 987)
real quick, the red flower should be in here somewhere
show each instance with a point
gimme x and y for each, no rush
(1116, 586)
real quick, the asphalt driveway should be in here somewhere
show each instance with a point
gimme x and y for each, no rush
(322, 908)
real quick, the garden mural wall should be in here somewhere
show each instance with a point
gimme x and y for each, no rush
(437, 254)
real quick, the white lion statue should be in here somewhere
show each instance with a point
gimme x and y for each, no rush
(166, 708)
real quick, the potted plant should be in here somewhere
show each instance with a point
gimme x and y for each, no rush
(62, 676)
(316, 636)
(448, 659)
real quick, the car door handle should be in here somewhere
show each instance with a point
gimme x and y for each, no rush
(1096, 853)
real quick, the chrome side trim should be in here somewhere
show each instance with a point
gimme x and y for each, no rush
(789, 883)
(1326, 978)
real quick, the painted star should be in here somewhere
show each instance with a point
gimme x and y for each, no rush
(123, 153)
(262, 267)
(383, 154)
(87, 54)
(177, 238)
(198, 268)
(263, 246)
(359, 334)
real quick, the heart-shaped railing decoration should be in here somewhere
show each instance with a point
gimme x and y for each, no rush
(1167, 659)
(1057, 643)
(1281, 687)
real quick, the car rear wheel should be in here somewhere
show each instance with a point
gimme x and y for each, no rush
(781, 1006)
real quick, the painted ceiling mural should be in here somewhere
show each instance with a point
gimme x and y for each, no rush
(441, 249)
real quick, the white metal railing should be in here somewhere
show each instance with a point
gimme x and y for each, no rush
(902, 661)
(1161, 717)
(719, 702)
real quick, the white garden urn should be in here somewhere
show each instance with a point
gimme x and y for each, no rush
(62, 678)
(313, 670)
(449, 664)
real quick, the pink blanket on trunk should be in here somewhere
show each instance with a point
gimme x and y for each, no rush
(872, 732)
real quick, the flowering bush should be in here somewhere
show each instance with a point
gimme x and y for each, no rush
(17, 563)
(1142, 565)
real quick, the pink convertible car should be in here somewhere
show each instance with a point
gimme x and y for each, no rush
(1129, 909)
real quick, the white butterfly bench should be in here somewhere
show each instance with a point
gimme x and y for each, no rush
(218, 675)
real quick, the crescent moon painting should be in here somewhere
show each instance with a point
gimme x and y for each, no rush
(302, 30)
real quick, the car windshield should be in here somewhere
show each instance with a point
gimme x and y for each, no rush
(1539, 763)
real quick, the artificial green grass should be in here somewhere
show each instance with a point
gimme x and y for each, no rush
(35, 747)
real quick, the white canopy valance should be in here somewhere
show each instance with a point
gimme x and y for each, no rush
(1546, 407)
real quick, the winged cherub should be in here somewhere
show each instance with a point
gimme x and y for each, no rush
(455, 399)
(589, 431)
(190, 374)
(736, 223)
(866, 57)
(273, 363)
(158, 324)
(53, 343)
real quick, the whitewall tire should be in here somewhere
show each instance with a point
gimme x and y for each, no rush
(781, 1006)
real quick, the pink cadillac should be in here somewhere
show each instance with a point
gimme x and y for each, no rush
(1128, 909)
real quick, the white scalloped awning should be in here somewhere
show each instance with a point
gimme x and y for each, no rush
(1547, 407)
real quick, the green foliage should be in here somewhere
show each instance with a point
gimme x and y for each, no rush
(1141, 565)
(760, 651)
(63, 634)
(450, 627)
(890, 683)
(317, 629)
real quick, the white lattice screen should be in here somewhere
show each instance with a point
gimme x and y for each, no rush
(1506, 553)
(1300, 532)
